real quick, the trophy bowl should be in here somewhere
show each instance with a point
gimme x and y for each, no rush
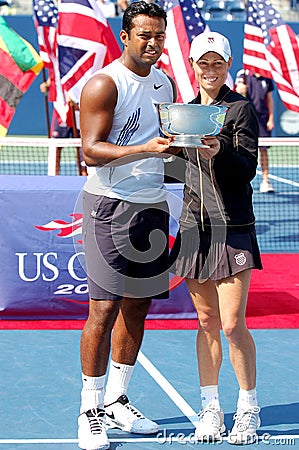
(190, 122)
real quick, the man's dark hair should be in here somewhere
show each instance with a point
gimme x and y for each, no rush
(141, 7)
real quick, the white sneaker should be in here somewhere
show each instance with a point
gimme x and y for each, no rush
(92, 430)
(211, 424)
(266, 186)
(247, 422)
(121, 414)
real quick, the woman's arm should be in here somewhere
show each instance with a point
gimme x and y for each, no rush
(238, 154)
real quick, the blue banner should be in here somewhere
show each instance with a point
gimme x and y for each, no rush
(42, 272)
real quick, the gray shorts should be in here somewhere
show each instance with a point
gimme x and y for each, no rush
(126, 248)
(203, 255)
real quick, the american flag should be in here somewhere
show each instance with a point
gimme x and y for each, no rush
(271, 49)
(86, 43)
(46, 22)
(184, 22)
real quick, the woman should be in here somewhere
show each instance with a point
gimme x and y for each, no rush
(216, 243)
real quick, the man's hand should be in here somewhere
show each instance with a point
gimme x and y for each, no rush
(44, 86)
(161, 146)
(241, 88)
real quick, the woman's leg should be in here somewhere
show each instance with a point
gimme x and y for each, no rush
(209, 351)
(209, 356)
(232, 294)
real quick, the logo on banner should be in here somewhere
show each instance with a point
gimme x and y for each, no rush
(67, 229)
(64, 230)
(55, 266)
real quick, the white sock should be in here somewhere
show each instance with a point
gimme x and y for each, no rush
(209, 396)
(118, 381)
(247, 399)
(92, 393)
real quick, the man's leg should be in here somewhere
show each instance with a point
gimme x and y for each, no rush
(95, 350)
(126, 341)
(96, 336)
(264, 161)
(265, 186)
(57, 160)
(129, 329)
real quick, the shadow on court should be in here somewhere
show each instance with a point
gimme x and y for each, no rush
(280, 414)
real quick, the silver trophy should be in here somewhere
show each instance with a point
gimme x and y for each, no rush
(190, 122)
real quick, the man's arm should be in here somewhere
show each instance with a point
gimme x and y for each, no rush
(241, 88)
(240, 83)
(270, 104)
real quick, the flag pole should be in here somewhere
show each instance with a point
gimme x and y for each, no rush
(46, 103)
(81, 169)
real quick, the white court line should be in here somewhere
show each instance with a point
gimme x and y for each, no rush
(282, 438)
(38, 441)
(168, 389)
(282, 180)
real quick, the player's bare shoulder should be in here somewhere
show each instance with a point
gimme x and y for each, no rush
(100, 87)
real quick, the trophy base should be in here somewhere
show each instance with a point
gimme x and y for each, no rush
(188, 140)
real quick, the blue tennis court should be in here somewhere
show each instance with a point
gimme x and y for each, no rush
(40, 385)
(277, 214)
(41, 377)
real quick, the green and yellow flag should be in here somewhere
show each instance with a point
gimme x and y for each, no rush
(19, 66)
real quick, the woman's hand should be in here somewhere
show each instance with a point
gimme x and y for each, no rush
(214, 147)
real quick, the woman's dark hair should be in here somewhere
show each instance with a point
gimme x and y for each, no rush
(141, 7)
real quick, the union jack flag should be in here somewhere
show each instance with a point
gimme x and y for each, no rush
(86, 43)
(46, 22)
(184, 22)
(271, 49)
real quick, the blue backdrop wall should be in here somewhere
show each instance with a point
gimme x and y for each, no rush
(30, 117)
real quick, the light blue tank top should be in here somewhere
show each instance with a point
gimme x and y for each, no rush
(135, 122)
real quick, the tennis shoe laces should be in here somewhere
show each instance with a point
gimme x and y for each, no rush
(247, 422)
(211, 424)
(121, 414)
(92, 430)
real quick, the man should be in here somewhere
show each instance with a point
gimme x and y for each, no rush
(125, 226)
(108, 7)
(65, 131)
(259, 90)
